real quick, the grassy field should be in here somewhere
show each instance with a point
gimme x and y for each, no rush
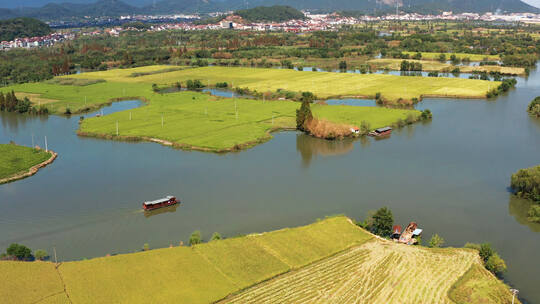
(429, 65)
(472, 57)
(323, 84)
(18, 159)
(330, 260)
(199, 121)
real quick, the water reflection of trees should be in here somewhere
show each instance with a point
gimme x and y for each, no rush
(519, 208)
(309, 147)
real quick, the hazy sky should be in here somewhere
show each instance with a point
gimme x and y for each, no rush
(18, 3)
(533, 2)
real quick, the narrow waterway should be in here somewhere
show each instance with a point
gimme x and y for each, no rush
(450, 175)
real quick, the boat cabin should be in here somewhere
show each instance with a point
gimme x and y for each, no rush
(160, 203)
(381, 132)
(396, 231)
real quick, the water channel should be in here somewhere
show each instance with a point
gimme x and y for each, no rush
(450, 175)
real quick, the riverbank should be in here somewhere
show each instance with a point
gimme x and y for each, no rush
(213, 271)
(18, 162)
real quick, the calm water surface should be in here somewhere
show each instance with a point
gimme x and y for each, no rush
(450, 175)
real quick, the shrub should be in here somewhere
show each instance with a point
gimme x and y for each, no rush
(41, 254)
(222, 85)
(495, 264)
(436, 241)
(426, 114)
(195, 238)
(216, 236)
(68, 111)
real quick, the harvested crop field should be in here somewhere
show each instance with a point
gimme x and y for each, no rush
(376, 272)
(306, 264)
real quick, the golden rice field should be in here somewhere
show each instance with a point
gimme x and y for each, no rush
(382, 272)
(331, 260)
(322, 84)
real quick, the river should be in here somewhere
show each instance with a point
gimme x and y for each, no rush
(450, 175)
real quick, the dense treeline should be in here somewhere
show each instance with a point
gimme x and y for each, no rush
(21, 28)
(348, 47)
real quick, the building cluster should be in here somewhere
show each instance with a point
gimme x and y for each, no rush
(312, 22)
(34, 42)
(489, 17)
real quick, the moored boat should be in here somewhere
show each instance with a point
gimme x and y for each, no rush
(381, 132)
(160, 203)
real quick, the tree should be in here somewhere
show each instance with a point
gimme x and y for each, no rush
(195, 238)
(304, 115)
(495, 264)
(436, 241)
(382, 222)
(20, 252)
(485, 251)
(343, 65)
(41, 254)
(216, 236)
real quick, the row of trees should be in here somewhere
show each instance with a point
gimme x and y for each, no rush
(19, 252)
(10, 103)
(410, 66)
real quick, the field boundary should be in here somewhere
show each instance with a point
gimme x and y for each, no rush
(33, 170)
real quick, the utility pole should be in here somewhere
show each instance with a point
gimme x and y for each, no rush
(55, 259)
(514, 293)
(46, 147)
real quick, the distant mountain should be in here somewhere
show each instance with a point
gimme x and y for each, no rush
(276, 13)
(478, 6)
(112, 8)
(184, 6)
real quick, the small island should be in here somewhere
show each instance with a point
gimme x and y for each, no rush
(526, 184)
(18, 162)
